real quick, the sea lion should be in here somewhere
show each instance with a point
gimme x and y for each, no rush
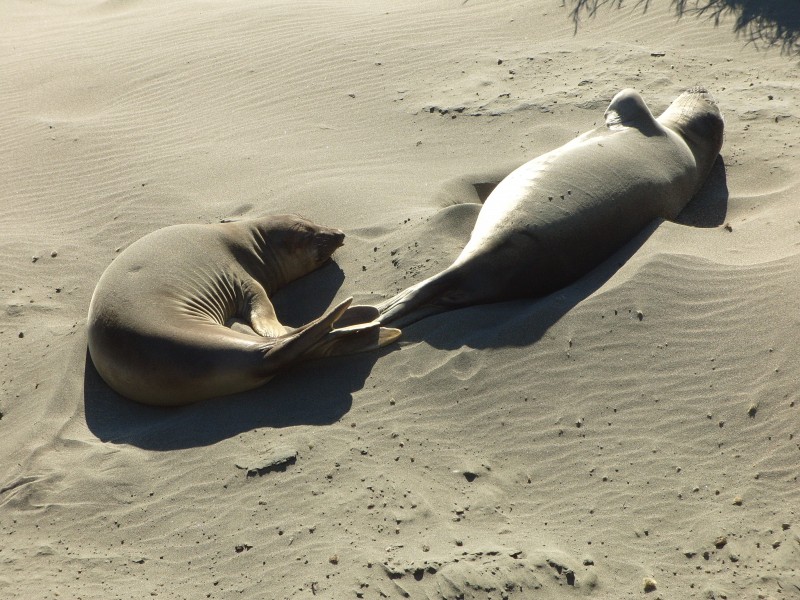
(157, 319)
(558, 216)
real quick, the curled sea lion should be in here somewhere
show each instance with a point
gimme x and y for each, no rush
(558, 216)
(157, 320)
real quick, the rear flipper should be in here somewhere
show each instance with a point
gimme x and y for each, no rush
(358, 315)
(319, 338)
(353, 339)
(354, 315)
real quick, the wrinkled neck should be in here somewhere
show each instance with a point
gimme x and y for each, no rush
(259, 259)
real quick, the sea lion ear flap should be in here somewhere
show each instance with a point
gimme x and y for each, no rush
(628, 109)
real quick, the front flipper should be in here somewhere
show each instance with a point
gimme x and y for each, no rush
(258, 310)
(628, 109)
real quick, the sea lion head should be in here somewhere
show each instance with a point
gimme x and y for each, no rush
(695, 116)
(297, 245)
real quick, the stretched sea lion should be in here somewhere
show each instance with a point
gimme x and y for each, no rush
(558, 216)
(157, 320)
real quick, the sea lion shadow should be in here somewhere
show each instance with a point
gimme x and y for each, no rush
(523, 322)
(315, 393)
(307, 298)
(319, 392)
(519, 322)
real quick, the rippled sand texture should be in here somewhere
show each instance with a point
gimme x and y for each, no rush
(638, 429)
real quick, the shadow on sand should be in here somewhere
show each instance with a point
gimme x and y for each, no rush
(314, 393)
(321, 392)
(763, 23)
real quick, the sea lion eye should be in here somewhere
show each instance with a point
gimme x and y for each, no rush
(299, 235)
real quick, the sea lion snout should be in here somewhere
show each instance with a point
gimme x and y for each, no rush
(327, 241)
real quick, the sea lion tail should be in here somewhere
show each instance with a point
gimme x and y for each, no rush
(340, 331)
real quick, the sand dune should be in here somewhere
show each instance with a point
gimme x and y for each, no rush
(641, 424)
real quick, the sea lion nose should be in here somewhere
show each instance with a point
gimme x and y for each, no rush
(328, 241)
(333, 238)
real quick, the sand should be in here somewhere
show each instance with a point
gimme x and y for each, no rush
(636, 434)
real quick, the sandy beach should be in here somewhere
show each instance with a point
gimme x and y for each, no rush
(634, 435)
